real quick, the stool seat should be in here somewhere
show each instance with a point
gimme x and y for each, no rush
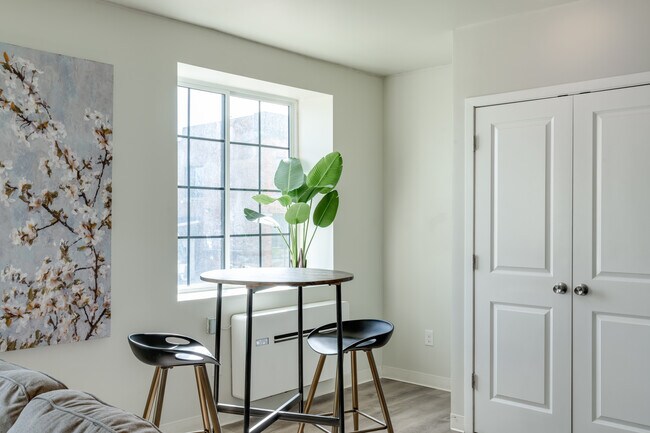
(364, 334)
(169, 350)
(166, 351)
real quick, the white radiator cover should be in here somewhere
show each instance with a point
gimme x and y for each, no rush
(275, 364)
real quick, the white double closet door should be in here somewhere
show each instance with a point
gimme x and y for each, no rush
(562, 197)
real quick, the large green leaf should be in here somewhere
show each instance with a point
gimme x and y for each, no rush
(264, 199)
(289, 175)
(252, 215)
(266, 220)
(296, 193)
(284, 200)
(304, 193)
(327, 172)
(307, 194)
(326, 209)
(297, 213)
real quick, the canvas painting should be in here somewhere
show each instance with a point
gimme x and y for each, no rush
(56, 153)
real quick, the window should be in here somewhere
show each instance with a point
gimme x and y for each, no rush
(229, 146)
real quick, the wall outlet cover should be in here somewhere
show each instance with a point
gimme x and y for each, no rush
(428, 337)
(211, 326)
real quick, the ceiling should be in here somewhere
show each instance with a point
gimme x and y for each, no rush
(378, 36)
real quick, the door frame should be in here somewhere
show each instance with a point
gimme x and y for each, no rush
(471, 104)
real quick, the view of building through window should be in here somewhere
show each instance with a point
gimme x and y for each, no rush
(249, 144)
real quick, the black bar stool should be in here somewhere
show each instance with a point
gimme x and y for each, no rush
(358, 335)
(166, 351)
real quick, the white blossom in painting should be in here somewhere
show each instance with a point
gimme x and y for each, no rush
(55, 198)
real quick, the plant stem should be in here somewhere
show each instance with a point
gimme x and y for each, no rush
(312, 238)
(294, 245)
(283, 238)
(304, 236)
(291, 242)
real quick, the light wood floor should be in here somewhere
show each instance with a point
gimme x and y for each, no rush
(413, 409)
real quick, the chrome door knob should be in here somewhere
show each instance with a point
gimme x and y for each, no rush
(560, 288)
(581, 290)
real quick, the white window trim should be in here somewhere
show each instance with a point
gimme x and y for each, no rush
(207, 290)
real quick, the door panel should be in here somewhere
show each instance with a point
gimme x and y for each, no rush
(521, 377)
(521, 164)
(622, 150)
(612, 257)
(619, 396)
(523, 243)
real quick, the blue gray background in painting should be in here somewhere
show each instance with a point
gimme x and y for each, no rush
(70, 86)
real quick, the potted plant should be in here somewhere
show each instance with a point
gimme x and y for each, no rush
(299, 192)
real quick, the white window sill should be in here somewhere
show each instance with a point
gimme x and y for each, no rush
(209, 291)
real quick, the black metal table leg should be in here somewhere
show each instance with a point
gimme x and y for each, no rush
(217, 343)
(339, 347)
(249, 346)
(300, 354)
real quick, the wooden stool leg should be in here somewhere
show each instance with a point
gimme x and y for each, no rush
(335, 429)
(380, 391)
(161, 396)
(312, 389)
(152, 394)
(209, 400)
(355, 390)
(204, 409)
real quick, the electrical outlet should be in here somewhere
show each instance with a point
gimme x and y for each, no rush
(428, 337)
(211, 326)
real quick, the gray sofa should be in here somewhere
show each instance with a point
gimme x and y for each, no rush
(31, 401)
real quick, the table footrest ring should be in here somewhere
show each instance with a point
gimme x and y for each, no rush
(282, 415)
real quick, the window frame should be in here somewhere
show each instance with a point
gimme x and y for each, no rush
(228, 92)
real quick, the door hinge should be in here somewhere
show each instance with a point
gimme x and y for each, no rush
(474, 380)
(475, 262)
(475, 143)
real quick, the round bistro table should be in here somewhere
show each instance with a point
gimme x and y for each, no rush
(258, 279)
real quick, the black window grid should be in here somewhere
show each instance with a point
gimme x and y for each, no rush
(189, 187)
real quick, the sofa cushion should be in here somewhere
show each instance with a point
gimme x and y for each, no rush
(69, 411)
(18, 386)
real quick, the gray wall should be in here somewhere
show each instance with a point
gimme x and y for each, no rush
(579, 41)
(145, 50)
(417, 224)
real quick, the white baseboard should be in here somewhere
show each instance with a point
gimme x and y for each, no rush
(457, 422)
(416, 378)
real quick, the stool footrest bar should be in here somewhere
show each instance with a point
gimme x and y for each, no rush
(368, 430)
(282, 415)
(321, 428)
(273, 416)
(380, 425)
(372, 418)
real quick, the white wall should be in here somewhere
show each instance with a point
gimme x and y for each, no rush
(575, 42)
(145, 50)
(417, 224)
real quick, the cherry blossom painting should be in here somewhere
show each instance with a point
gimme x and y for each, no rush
(56, 153)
